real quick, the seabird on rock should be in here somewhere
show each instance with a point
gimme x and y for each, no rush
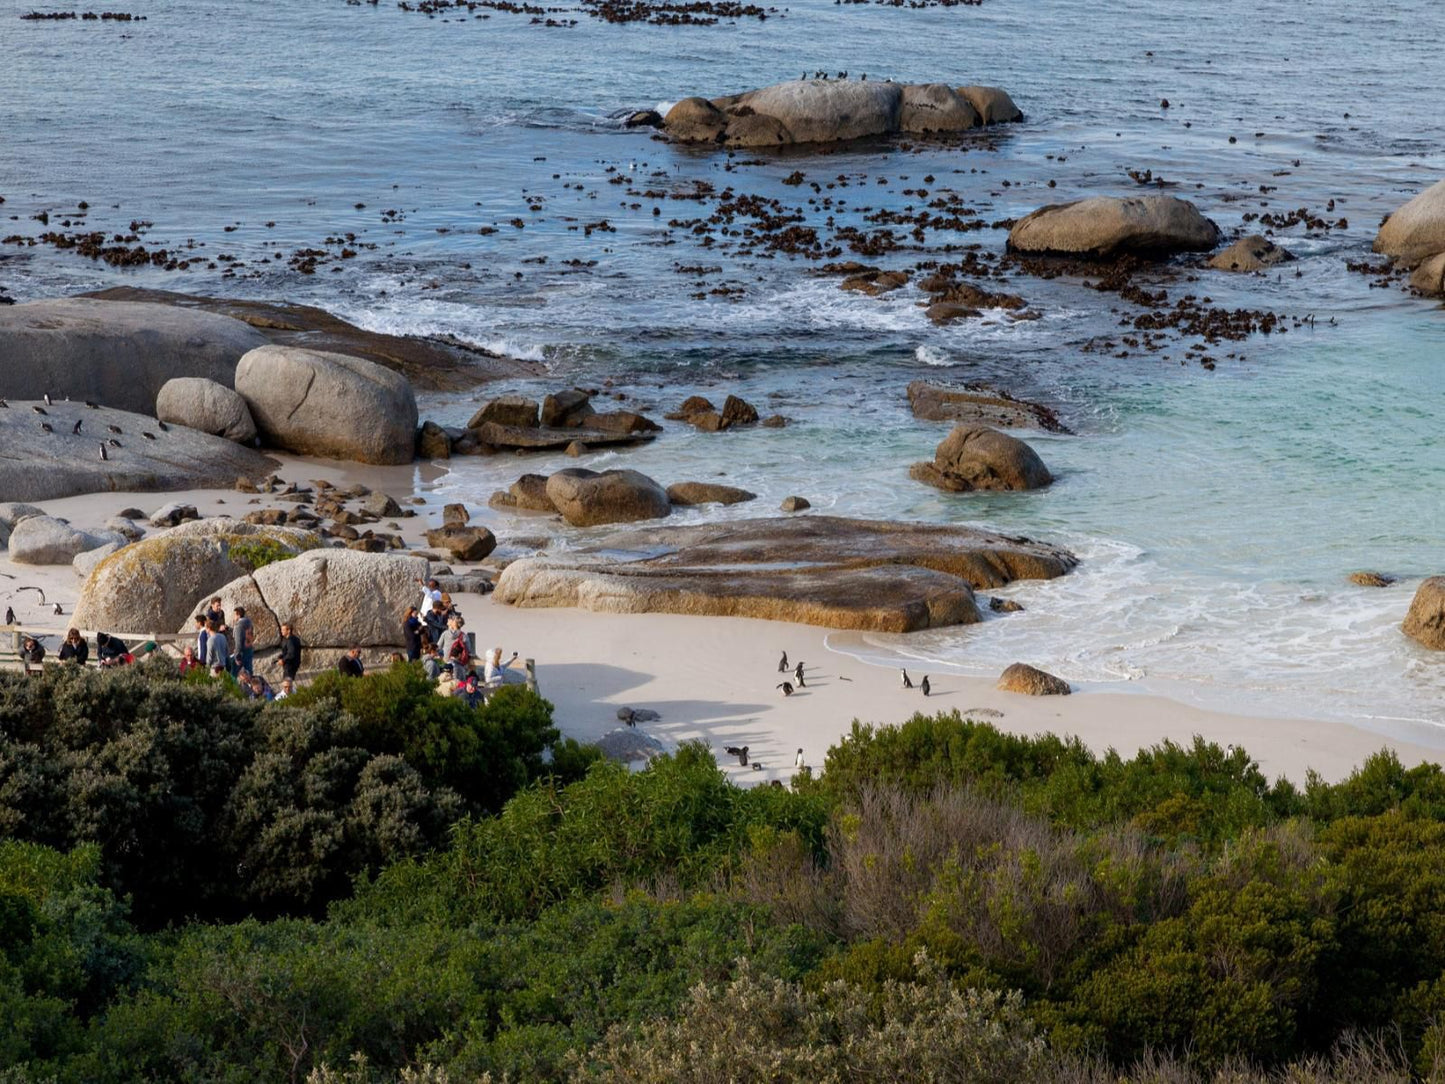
(103, 454)
(78, 424)
(925, 686)
(38, 410)
(116, 430)
(47, 427)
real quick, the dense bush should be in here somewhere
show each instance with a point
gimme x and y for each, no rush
(945, 902)
(207, 804)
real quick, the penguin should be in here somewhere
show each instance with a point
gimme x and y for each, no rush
(92, 406)
(58, 611)
(4, 405)
(149, 436)
(47, 427)
(798, 673)
(113, 442)
(9, 615)
(46, 397)
(162, 426)
(925, 686)
(103, 454)
(907, 681)
(743, 757)
(783, 664)
(787, 687)
(732, 750)
(116, 430)
(38, 410)
(76, 429)
(798, 760)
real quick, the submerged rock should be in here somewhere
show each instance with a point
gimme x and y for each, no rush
(976, 457)
(1252, 253)
(586, 498)
(1429, 278)
(820, 570)
(690, 493)
(979, 405)
(1102, 226)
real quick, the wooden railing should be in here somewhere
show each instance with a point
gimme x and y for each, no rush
(13, 636)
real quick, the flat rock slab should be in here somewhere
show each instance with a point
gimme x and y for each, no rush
(432, 364)
(40, 466)
(987, 406)
(817, 570)
(547, 438)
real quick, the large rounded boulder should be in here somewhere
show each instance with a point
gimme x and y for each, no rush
(586, 498)
(1426, 620)
(1417, 230)
(992, 104)
(1429, 277)
(118, 353)
(45, 540)
(977, 457)
(1252, 253)
(695, 120)
(198, 403)
(1104, 226)
(329, 405)
(335, 598)
(153, 585)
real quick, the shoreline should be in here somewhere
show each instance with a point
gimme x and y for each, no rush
(714, 678)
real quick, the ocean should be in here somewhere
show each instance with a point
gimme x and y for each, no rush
(475, 166)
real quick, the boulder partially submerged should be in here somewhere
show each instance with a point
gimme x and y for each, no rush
(980, 405)
(1252, 253)
(1425, 622)
(1415, 232)
(116, 353)
(39, 466)
(835, 110)
(587, 498)
(977, 457)
(329, 405)
(819, 570)
(1104, 226)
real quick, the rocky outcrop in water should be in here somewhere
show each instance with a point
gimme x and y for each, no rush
(1415, 232)
(1103, 226)
(36, 465)
(975, 457)
(586, 498)
(818, 570)
(691, 493)
(979, 405)
(1426, 620)
(203, 404)
(115, 353)
(329, 405)
(835, 110)
(1252, 253)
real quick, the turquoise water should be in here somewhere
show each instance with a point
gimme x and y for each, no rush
(1218, 512)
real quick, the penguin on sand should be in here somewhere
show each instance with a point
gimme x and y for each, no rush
(798, 674)
(907, 681)
(783, 664)
(925, 686)
(787, 687)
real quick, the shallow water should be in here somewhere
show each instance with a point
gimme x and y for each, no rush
(1217, 512)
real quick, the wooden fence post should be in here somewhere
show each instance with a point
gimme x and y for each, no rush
(531, 665)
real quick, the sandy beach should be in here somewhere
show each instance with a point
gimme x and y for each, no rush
(715, 679)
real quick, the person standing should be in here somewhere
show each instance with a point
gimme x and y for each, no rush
(430, 595)
(411, 632)
(289, 657)
(216, 612)
(245, 634)
(202, 638)
(218, 651)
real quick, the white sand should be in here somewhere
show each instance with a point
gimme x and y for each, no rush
(715, 679)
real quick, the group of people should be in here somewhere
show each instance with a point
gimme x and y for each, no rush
(109, 651)
(435, 636)
(229, 650)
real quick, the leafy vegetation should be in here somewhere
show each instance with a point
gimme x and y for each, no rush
(396, 887)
